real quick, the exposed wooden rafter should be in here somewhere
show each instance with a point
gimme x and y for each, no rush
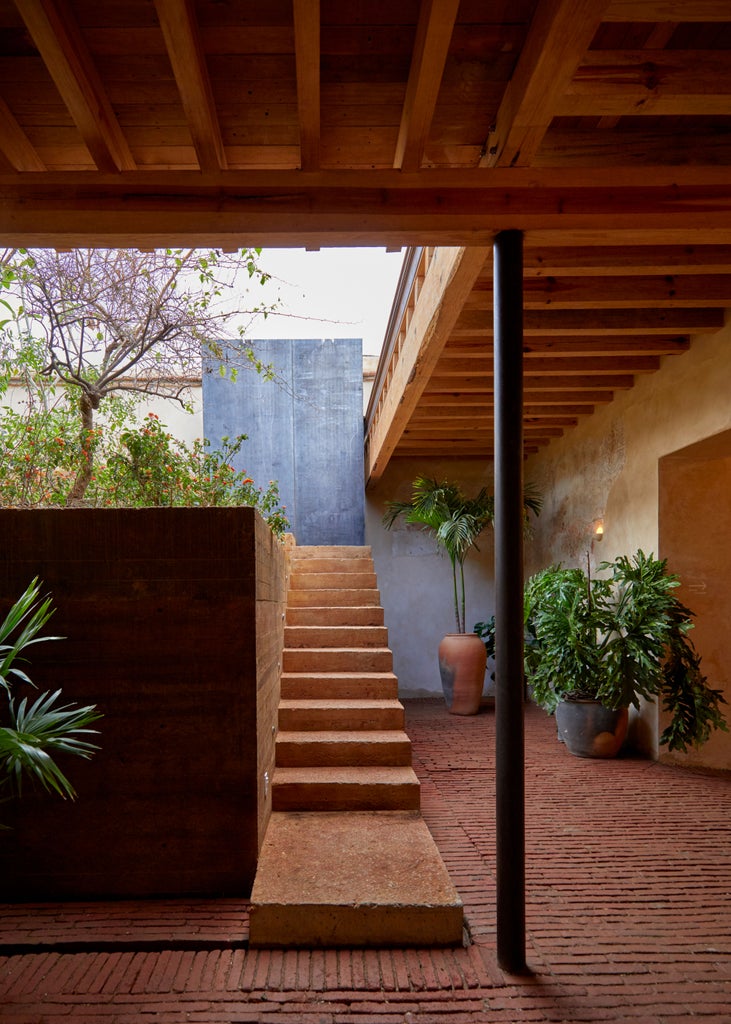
(433, 36)
(307, 59)
(188, 61)
(559, 36)
(601, 129)
(52, 26)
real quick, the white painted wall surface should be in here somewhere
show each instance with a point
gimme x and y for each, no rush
(415, 579)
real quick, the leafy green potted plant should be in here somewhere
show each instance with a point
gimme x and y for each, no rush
(456, 522)
(595, 646)
(34, 732)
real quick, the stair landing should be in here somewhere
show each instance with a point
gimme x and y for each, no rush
(358, 879)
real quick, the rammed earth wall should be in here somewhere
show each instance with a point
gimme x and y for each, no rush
(160, 609)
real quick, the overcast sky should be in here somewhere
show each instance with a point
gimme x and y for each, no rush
(333, 293)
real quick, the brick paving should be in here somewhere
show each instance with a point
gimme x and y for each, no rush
(628, 914)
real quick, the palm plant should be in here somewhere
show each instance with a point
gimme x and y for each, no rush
(36, 731)
(455, 521)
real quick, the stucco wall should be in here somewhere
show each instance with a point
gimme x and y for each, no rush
(415, 579)
(608, 468)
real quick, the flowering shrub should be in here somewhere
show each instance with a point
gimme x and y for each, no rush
(40, 453)
(37, 454)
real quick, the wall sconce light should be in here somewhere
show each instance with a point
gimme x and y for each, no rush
(598, 530)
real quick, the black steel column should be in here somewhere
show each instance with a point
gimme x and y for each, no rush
(509, 741)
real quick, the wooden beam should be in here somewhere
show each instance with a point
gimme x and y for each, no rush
(307, 60)
(601, 322)
(56, 35)
(433, 36)
(617, 83)
(623, 259)
(580, 362)
(636, 292)
(447, 400)
(451, 275)
(15, 144)
(576, 345)
(482, 383)
(153, 208)
(188, 61)
(667, 10)
(559, 36)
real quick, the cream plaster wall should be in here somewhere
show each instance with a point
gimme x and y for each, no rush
(608, 468)
(415, 580)
(187, 426)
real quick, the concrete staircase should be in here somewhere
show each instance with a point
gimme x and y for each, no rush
(347, 858)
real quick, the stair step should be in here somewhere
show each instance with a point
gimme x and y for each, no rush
(332, 580)
(338, 685)
(346, 748)
(335, 563)
(364, 879)
(337, 659)
(345, 597)
(309, 551)
(335, 636)
(345, 789)
(302, 715)
(368, 615)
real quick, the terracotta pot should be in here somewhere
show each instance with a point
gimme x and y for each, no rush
(589, 729)
(462, 663)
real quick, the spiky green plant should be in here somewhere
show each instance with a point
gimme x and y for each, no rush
(34, 732)
(455, 521)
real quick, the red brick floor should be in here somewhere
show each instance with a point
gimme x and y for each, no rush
(628, 917)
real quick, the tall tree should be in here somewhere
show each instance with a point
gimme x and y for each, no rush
(122, 320)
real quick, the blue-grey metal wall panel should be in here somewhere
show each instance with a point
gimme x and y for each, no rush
(305, 431)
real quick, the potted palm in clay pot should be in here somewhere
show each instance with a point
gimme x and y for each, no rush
(456, 522)
(595, 646)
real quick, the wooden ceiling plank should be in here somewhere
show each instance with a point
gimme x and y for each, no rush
(187, 59)
(307, 60)
(15, 144)
(622, 260)
(429, 55)
(59, 41)
(559, 35)
(667, 10)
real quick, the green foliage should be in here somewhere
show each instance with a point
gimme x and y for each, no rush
(105, 323)
(151, 467)
(33, 733)
(42, 453)
(455, 521)
(618, 639)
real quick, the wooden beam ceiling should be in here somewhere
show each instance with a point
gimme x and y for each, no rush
(600, 128)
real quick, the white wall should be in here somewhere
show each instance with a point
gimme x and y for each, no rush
(416, 580)
(187, 426)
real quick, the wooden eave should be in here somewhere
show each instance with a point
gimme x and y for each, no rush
(600, 128)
